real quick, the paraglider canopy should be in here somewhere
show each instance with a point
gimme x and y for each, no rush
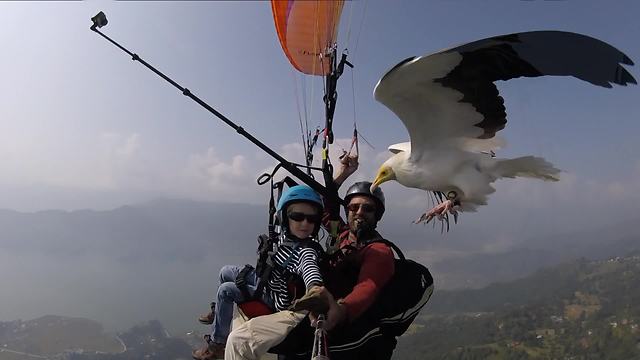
(307, 31)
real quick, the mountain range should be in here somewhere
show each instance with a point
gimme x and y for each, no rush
(159, 260)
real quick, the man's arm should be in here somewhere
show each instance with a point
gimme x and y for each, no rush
(348, 165)
(375, 272)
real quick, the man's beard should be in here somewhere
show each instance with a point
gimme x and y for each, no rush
(362, 228)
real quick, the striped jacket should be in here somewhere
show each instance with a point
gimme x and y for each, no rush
(292, 258)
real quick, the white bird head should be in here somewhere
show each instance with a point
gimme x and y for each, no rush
(389, 170)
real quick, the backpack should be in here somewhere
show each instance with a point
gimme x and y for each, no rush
(404, 296)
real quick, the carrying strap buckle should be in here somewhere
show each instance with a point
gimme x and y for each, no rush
(241, 281)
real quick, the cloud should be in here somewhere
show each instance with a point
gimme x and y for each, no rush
(130, 146)
(114, 162)
(125, 163)
(293, 152)
(48, 161)
(627, 187)
(572, 189)
(616, 189)
(215, 176)
(120, 145)
(216, 173)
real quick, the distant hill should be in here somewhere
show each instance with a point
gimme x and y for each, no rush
(125, 265)
(160, 259)
(480, 270)
(156, 230)
(64, 338)
(579, 310)
(53, 335)
(144, 341)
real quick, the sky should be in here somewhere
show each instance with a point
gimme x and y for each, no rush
(84, 127)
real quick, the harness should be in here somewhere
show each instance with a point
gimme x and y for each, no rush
(254, 305)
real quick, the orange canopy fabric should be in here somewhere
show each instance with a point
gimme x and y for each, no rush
(307, 30)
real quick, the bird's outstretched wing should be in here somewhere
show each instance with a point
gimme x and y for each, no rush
(450, 96)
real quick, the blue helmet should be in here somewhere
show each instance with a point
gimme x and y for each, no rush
(295, 194)
(299, 193)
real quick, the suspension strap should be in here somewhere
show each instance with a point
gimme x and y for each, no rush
(311, 142)
(354, 144)
(330, 99)
(331, 95)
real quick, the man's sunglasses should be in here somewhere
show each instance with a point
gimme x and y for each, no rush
(368, 208)
(298, 217)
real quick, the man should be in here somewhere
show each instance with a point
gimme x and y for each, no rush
(360, 254)
(354, 277)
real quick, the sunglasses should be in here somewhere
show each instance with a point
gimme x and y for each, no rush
(298, 217)
(368, 208)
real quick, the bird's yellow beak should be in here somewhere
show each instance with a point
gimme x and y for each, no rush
(385, 173)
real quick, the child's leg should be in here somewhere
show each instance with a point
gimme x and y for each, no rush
(255, 337)
(229, 273)
(228, 294)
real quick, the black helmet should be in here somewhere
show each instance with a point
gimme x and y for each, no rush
(364, 188)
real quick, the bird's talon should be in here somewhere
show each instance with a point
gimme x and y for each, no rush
(441, 212)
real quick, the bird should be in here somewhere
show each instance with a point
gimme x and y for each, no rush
(452, 110)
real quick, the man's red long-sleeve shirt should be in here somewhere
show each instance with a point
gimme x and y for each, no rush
(376, 264)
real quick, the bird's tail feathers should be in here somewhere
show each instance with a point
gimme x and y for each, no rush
(526, 166)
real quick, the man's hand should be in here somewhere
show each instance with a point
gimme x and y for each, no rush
(335, 315)
(348, 165)
(314, 300)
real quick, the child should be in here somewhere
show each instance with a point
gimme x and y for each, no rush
(300, 209)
